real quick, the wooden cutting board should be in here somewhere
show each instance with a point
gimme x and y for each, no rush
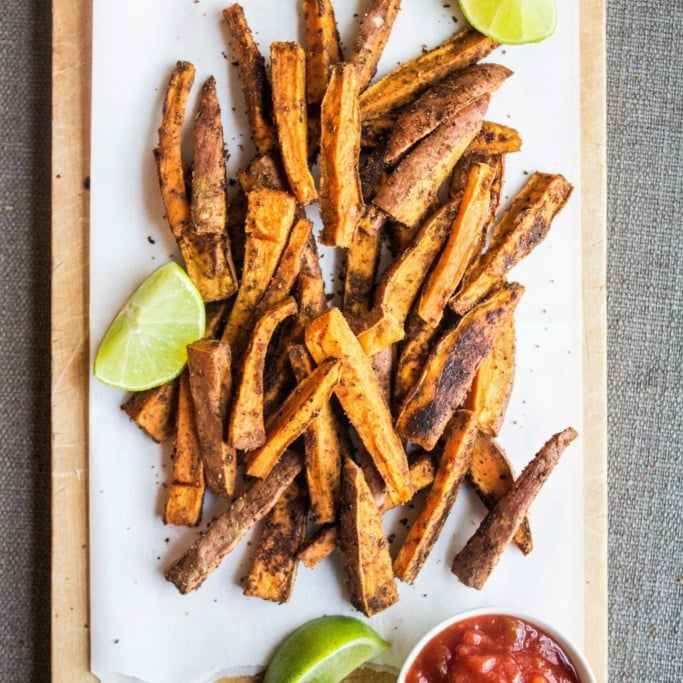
(71, 40)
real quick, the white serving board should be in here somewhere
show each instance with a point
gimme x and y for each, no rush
(141, 628)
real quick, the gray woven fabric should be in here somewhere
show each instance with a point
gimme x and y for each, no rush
(645, 317)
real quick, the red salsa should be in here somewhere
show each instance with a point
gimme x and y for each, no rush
(492, 649)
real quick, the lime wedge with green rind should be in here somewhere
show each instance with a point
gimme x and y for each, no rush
(146, 344)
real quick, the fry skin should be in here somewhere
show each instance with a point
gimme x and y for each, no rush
(252, 71)
(453, 466)
(475, 562)
(273, 569)
(302, 406)
(449, 371)
(341, 198)
(288, 75)
(523, 226)
(247, 429)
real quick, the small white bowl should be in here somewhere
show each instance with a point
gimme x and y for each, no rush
(575, 656)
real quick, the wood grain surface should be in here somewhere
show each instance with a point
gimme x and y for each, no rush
(70, 368)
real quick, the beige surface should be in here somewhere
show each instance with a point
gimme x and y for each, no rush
(70, 161)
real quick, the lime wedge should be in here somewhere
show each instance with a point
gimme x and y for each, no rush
(324, 650)
(145, 345)
(512, 21)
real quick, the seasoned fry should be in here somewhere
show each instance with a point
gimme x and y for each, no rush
(416, 348)
(408, 193)
(495, 138)
(294, 416)
(373, 32)
(323, 452)
(449, 371)
(491, 477)
(264, 172)
(464, 243)
(441, 104)
(269, 218)
(226, 530)
(523, 226)
(453, 466)
(154, 410)
(186, 493)
(371, 171)
(341, 198)
(252, 71)
(210, 375)
(365, 550)
(492, 385)
(323, 46)
(475, 562)
(382, 330)
(383, 365)
(247, 429)
(273, 568)
(362, 258)
(288, 75)
(401, 85)
(361, 397)
(375, 131)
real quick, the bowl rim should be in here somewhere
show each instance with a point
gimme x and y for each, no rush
(575, 655)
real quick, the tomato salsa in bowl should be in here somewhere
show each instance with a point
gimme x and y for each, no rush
(494, 646)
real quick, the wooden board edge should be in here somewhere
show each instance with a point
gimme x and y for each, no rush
(594, 222)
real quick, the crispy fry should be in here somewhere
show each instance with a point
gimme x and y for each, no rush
(373, 32)
(523, 226)
(361, 397)
(263, 172)
(441, 104)
(323, 452)
(210, 376)
(269, 219)
(382, 330)
(186, 493)
(416, 348)
(453, 466)
(362, 259)
(463, 245)
(252, 71)
(495, 138)
(226, 530)
(449, 371)
(208, 260)
(323, 46)
(154, 410)
(273, 568)
(288, 74)
(294, 416)
(341, 198)
(492, 385)
(247, 429)
(491, 477)
(371, 172)
(459, 182)
(402, 84)
(475, 562)
(367, 562)
(408, 193)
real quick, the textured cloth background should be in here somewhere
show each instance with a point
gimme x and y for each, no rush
(645, 97)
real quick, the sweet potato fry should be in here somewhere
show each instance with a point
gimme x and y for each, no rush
(495, 138)
(293, 418)
(409, 192)
(449, 371)
(523, 226)
(247, 429)
(374, 132)
(475, 562)
(461, 174)
(226, 530)
(382, 330)
(273, 568)
(371, 171)
(323, 47)
(362, 259)
(263, 172)
(361, 397)
(464, 243)
(367, 562)
(373, 32)
(323, 452)
(288, 75)
(491, 477)
(402, 84)
(383, 364)
(252, 71)
(186, 492)
(210, 373)
(269, 219)
(492, 385)
(453, 466)
(341, 198)
(441, 104)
